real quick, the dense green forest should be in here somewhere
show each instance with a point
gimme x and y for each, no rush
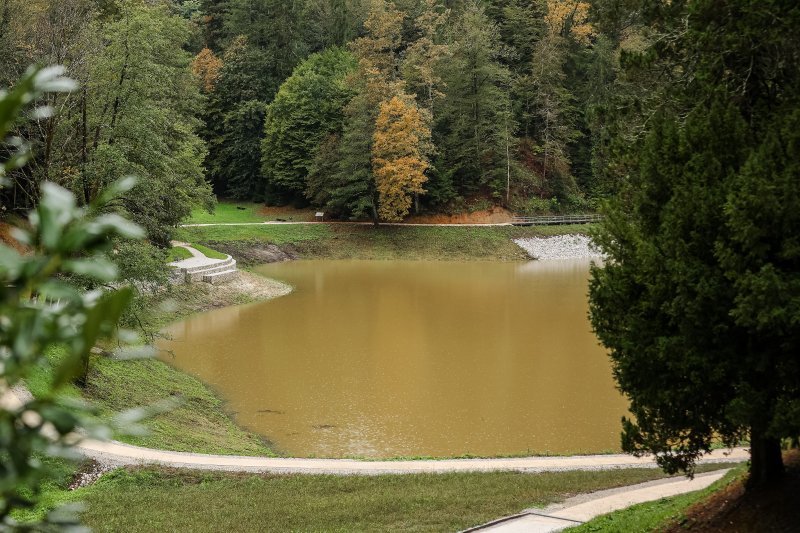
(366, 108)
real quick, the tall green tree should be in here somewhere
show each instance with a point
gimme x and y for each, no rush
(41, 32)
(142, 119)
(234, 140)
(376, 79)
(475, 129)
(699, 301)
(329, 23)
(272, 26)
(308, 107)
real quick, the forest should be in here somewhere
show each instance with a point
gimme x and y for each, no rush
(368, 109)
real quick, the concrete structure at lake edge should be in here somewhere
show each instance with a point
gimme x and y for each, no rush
(202, 268)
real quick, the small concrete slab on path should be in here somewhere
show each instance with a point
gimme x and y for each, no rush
(582, 508)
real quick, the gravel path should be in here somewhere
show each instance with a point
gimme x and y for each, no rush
(117, 452)
(559, 247)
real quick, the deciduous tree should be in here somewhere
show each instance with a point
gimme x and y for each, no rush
(399, 156)
(308, 107)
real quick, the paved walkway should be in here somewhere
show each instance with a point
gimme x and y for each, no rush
(126, 454)
(580, 509)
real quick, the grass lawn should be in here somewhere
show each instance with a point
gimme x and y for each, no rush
(276, 234)
(345, 241)
(172, 500)
(227, 212)
(178, 253)
(208, 252)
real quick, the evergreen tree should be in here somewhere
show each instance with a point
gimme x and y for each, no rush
(474, 131)
(234, 124)
(699, 299)
(274, 28)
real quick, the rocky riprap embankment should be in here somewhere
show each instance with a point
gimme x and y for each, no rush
(560, 247)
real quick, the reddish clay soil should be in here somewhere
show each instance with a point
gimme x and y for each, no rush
(734, 510)
(494, 215)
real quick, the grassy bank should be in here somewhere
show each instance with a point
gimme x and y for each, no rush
(346, 241)
(199, 424)
(147, 499)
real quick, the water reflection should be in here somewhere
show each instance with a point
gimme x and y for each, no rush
(412, 358)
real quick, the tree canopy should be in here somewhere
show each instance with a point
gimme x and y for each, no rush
(699, 301)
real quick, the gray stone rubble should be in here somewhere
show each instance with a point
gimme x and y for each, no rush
(559, 247)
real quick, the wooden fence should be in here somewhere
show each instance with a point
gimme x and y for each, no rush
(552, 220)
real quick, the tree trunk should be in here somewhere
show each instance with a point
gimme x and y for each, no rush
(766, 459)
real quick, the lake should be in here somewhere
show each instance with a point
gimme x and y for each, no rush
(412, 358)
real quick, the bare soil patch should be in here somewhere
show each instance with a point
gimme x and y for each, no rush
(8, 240)
(256, 253)
(735, 510)
(493, 215)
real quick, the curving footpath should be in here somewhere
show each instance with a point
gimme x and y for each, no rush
(118, 453)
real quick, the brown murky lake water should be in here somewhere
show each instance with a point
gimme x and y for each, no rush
(379, 359)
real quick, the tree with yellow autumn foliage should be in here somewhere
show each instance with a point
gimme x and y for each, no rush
(206, 66)
(399, 156)
(569, 18)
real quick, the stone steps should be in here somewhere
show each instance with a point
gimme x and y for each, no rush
(217, 263)
(218, 277)
(198, 274)
(212, 271)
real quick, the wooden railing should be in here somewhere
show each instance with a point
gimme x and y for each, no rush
(552, 220)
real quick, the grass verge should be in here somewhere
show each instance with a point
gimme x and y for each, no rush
(178, 253)
(208, 252)
(655, 515)
(345, 241)
(147, 499)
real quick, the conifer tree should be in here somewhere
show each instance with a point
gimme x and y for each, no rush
(699, 301)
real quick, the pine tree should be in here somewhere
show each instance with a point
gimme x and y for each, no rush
(474, 131)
